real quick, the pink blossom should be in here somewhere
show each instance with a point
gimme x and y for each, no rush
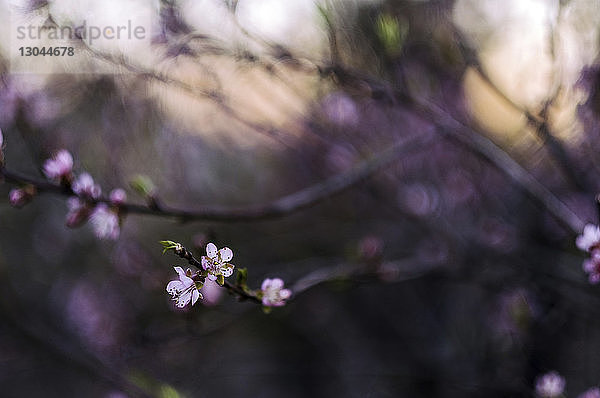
(105, 222)
(78, 213)
(550, 385)
(183, 290)
(217, 262)
(117, 196)
(84, 186)
(60, 165)
(589, 238)
(212, 293)
(274, 295)
(591, 393)
(591, 266)
(18, 197)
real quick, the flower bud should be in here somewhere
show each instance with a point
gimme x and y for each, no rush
(117, 196)
(18, 197)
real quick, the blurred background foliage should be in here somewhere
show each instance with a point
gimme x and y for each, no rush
(467, 286)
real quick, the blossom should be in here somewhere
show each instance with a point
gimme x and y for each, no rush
(591, 393)
(183, 290)
(84, 186)
(18, 197)
(274, 295)
(592, 267)
(78, 213)
(117, 196)
(550, 385)
(217, 262)
(589, 239)
(105, 222)
(60, 165)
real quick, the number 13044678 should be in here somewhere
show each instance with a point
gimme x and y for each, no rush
(46, 51)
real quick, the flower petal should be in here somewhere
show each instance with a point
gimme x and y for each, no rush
(266, 284)
(179, 271)
(174, 286)
(276, 283)
(184, 299)
(195, 296)
(226, 254)
(205, 262)
(285, 294)
(211, 250)
(227, 270)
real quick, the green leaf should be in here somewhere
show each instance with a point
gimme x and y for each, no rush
(391, 32)
(143, 185)
(221, 280)
(168, 245)
(242, 277)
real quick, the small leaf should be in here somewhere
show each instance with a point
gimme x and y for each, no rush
(242, 277)
(143, 185)
(392, 33)
(266, 310)
(221, 280)
(168, 245)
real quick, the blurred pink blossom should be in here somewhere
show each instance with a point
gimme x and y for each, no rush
(591, 393)
(550, 385)
(211, 293)
(59, 166)
(78, 213)
(18, 197)
(274, 295)
(589, 238)
(105, 222)
(118, 196)
(341, 109)
(84, 186)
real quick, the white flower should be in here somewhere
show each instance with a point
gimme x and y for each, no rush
(84, 186)
(589, 238)
(217, 262)
(105, 222)
(183, 290)
(60, 165)
(274, 295)
(550, 385)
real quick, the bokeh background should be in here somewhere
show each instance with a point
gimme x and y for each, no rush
(443, 274)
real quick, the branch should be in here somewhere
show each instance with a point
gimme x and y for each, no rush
(475, 141)
(235, 290)
(284, 206)
(539, 124)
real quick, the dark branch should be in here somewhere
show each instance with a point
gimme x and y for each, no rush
(286, 205)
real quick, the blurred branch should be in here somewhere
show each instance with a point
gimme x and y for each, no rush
(400, 271)
(214, 96)
(281, 207)
(478, 143)
(472, 139)
(540, 123)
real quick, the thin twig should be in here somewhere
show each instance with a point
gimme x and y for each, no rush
(284, 206)
(539, 123)
(233, 289)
